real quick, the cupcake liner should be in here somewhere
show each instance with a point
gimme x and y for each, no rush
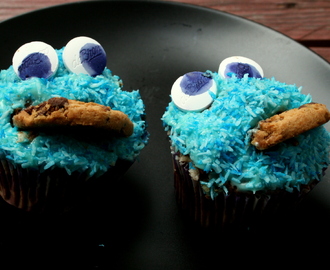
(50, 191)
(233, 209)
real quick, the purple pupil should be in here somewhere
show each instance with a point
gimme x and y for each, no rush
(195, 83)
(242, 68)
(93, 58)
(35, 65)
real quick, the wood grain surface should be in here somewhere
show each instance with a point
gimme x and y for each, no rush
(306, 21)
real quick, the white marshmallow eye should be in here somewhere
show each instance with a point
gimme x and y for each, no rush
(84, 55)
(35, 59)
(239, 66)
(191, 92)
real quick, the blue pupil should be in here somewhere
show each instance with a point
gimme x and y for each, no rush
(35, 65)
(93, 58)
(242, 68)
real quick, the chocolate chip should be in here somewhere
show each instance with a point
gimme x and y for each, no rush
(29, 110)
(58, 102)
(41, 109)
(49, 106)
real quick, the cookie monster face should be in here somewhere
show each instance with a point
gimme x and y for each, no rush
(82, 59)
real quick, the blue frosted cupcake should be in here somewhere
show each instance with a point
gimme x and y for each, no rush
(40, 167)
(221, 179)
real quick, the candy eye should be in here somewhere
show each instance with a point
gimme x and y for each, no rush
(239, 66)
(35, 59)
(191, 92)
(84, 55)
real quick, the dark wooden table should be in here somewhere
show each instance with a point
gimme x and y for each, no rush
(306, 21)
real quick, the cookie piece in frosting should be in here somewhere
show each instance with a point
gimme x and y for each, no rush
(59, 112)
(289, 124)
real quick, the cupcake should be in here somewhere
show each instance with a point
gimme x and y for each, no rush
(244, 146)
(65, 123)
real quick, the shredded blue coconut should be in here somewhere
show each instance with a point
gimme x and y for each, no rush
(217, 140)
(48, 151)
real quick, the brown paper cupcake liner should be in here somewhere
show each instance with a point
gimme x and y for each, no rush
(50, 191)
(234, 208)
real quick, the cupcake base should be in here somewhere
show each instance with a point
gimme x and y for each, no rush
(233, 209)
(50, 191)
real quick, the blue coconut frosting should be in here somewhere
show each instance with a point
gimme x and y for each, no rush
(49, 151)
(218, 139)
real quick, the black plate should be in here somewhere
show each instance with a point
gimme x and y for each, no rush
(135, 224)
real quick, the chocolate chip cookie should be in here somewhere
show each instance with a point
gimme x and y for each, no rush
(289, 124)
(59, 112)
